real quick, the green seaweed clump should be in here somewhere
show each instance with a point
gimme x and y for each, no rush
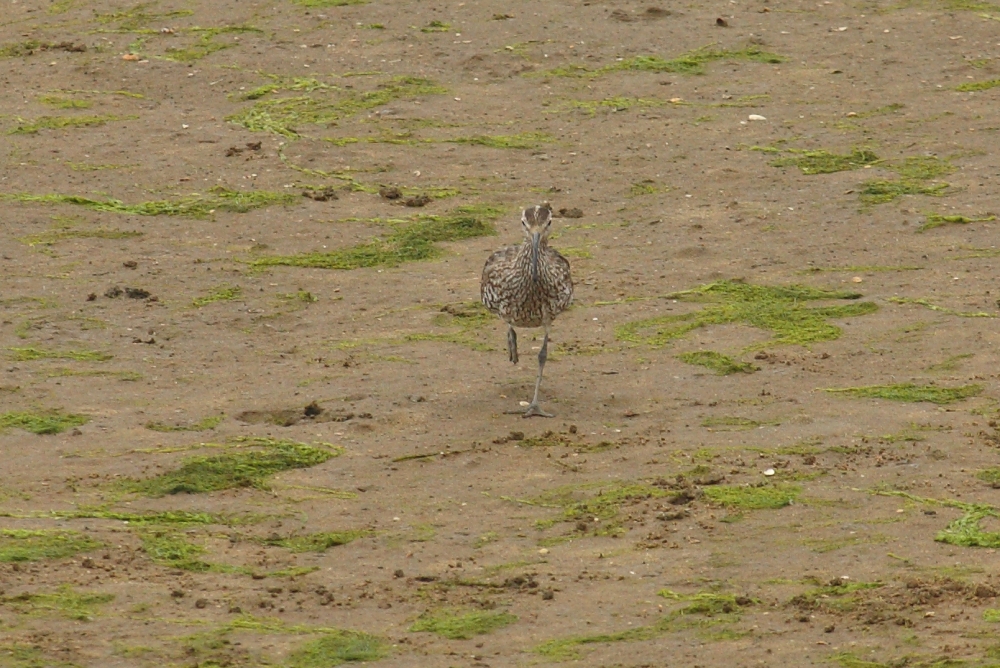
(966, 530)
(206, 44)
(824, 162)
(221, 294)
(64, 601)
(722, 365)
(991, 476)
(596, 501)
(880, 191)
(31, 354)
(52, 237)
(937, 220)
(780, 309)
(337, 648)
(462, 625)
(740, 497)
(436, 26)
(328, 3)
(283, 116)
(842, 595)
(205, 424)
(189, 206)
(705, 609)
(232, 470)
(317, 542)
(60, 102)
(692, 62)
(522, 140)
(921, 168)
(26, 545)
(411, 240)
(978, 85)
(52, 422)
(733, 423)
(63, 122)
(614, 104)
(171, 549)
(911, 392)
(28, 656)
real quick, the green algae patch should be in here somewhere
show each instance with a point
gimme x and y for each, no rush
(64, 601)
(732, 423)
(284, 116)
(206, 44)
(28, 656)
(611, 104)
(824, 162)
(522, 140)
(170, 517)
(880, 191)
(171, 549)
(991, 615)
(938, 220)
(722, 365)
(52, 237)
(52, 422)
(223, 293)
(704, 611)
(840, 596)
(921, 168)
(978, 85)
(189, 206)
(240, 468)
(26, 545)
(692, 62)
(317, 542)
(205, 424)
(26, 48)
(328, 3)
(991, 476)
(910, 392)
(779, 309)
(412, 239)
(64, 122)
(741, 497)
(862, 268)
(940, 309)
(31, 354)
(336, 648)
(60, 102)
(966, 531)
(457, 624)
(590, 502)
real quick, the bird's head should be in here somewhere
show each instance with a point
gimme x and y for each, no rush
(536, 221)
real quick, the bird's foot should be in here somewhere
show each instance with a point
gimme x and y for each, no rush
(533, 410)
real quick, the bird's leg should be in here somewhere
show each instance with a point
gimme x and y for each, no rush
(533, 408)
(512, 344)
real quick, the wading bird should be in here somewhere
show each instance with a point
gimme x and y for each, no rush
(528, 286)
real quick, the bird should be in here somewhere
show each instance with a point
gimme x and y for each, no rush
(528, 285)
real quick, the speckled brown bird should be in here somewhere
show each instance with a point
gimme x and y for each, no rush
(528, 286)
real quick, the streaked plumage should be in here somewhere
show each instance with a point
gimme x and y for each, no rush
(528, 286)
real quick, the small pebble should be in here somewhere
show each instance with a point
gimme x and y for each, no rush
(756, 117)
(769, 472)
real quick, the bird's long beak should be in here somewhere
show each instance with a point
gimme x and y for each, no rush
(535, 238)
